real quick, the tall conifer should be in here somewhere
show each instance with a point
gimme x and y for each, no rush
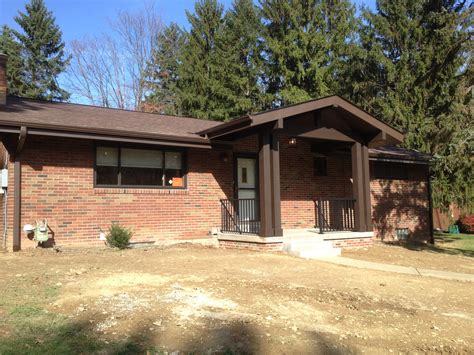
(42, 52)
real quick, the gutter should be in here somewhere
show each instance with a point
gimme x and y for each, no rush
(224, 126)
(114, 136)
(13, 127)
(397, 160)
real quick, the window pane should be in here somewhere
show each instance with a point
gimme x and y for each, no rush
(174, 177)
(141, 176)
(106, 175)
(173, 160)
(320, 166)
(107, 156)
(141, 158)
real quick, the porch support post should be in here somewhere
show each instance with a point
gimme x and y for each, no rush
(265, 184)
(17, 190)
(276, 201)
(366, 183)
(361, 187)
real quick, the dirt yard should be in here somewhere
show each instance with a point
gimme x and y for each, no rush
(438, 257)
(194, 299)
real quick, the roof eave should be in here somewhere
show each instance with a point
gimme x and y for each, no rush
(110, 135)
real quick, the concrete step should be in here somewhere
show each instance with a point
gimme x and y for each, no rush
(302, 245)
(318, 253)
(311, 249)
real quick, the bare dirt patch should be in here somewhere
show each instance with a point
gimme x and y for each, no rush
(192, 299)
(416, 256)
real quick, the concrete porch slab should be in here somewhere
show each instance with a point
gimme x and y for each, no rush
(314, 233)
(294, 234)
(247, 238)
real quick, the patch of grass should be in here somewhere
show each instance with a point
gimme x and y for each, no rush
(461, 242)
(37, 331)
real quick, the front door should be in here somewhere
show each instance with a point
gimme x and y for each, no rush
(246, 189)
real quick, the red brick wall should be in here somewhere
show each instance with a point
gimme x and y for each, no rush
(401, 204)
(299, 186)
(57, 178)
(352, 243)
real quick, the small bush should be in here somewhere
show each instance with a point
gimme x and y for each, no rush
(118, 236)
(466, 224)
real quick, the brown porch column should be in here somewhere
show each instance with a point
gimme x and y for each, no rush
(16, 204)
(276, 201)
(361, 187)
(17, 190)
(265, 184)
(366, 183)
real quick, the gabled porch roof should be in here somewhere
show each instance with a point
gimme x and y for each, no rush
(327, 118)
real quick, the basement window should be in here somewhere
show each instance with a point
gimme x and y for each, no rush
(138, 167)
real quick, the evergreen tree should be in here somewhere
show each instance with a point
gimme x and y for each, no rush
(409, 71)
(42, 52)
(10, 47)
(307, 44)
(163, 72)
(200, 87)
(239, 52)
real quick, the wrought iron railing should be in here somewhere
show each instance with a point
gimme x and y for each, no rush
(334, 214)
(240, 216)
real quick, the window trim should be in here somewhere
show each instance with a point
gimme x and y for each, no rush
(164, 149)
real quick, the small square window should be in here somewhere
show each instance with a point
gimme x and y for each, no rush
(320, 166)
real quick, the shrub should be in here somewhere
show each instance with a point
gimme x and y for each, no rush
(118, 236)
(466, 224)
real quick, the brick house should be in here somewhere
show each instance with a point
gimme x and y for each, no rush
(322, 166)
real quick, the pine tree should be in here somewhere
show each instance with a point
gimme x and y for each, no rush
(307, 43)
(42, 52)
(200, 86)
(239, 51)
(163, 72)
(409, 71)
(10, 47)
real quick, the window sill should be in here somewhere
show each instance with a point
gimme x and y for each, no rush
(136, 191)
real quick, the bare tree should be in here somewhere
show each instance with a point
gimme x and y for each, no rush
(110, 70)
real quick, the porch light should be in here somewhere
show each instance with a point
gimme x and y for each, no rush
(292, 142)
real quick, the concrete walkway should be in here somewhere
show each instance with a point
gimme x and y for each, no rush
(448, 275)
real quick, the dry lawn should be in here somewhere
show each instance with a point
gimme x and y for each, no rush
(192, 299)
(441, 256)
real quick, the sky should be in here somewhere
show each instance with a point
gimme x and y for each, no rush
(79, 18)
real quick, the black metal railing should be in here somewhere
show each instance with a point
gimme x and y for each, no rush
(334, 214)
(240, 216)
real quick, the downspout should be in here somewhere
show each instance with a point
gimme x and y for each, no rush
(430, 209)
(17, 190)
(5, 205)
